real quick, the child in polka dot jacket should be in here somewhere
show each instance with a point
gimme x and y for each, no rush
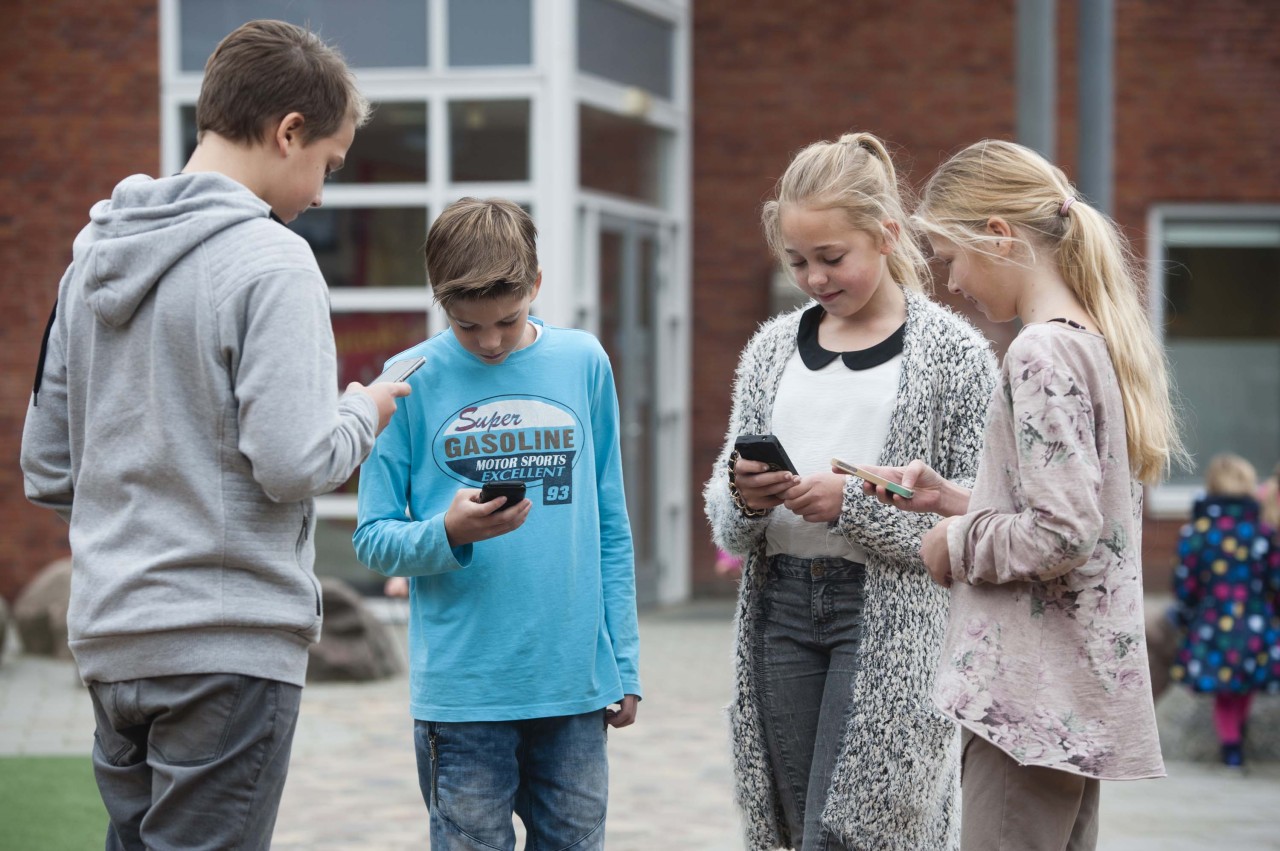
(1227, 583)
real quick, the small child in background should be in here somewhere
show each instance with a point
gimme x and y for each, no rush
(1226, 584)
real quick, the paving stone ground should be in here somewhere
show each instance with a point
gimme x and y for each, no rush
(353, 782)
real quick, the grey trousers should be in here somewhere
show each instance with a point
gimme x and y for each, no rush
(192, 762)
(1012, 807)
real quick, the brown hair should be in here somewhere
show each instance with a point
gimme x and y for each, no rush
(479, 249)
(265, 70)
(997, 178)
(1230, 475)
(856, 176)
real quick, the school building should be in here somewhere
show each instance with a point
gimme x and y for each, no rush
(643, 136)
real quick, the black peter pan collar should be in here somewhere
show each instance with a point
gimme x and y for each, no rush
(815, 357)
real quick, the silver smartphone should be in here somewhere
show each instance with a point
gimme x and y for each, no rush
(400, 370)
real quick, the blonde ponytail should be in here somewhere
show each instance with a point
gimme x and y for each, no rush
(855, 175)
(997, 178)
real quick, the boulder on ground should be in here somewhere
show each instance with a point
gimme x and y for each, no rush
(40, 612)
(354, 645)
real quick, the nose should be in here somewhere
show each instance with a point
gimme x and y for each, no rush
(951, 286)
(491, 341)
(816, 276)
(316, 201)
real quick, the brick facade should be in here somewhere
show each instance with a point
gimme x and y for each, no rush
(1197, 119)
(80, 94)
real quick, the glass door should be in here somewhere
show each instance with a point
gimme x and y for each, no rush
(629, 255)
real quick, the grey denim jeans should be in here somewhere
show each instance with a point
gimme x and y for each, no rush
(192, 762)
(806, 651)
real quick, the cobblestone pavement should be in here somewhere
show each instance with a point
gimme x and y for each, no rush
(353, 782)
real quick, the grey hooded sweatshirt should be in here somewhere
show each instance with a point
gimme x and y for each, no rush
(186, 414)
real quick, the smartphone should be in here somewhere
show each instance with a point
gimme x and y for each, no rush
(400, 370)
(513, 491)
(891, 487)
(766, 448)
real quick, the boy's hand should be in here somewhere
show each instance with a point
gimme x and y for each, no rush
(625, 714)
(384, 395)
(469, 520)
(761, 489)
(936, 554)
(933, 493)
(818, 498)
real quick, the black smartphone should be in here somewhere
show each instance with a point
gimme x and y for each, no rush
(400, 370)
(766, 448)
(513, 491)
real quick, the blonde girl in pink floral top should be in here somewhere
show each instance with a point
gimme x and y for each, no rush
(1045, 664)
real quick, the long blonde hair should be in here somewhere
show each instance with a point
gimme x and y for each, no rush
(997, 178)
(855, 175)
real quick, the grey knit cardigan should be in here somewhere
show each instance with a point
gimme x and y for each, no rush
(897, 778)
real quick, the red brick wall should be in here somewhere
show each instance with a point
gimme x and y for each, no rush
(79, 109)
(771, 77)
(1197, 119)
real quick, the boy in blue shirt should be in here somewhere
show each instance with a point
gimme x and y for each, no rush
(523, 618)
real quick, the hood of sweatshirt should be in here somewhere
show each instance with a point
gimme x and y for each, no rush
(145, 227)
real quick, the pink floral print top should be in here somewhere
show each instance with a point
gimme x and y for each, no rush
(1045, 654)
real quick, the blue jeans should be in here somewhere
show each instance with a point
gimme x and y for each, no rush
(193, 762)
(551, 772)
(806, 649)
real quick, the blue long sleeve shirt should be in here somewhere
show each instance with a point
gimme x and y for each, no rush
(538, 622)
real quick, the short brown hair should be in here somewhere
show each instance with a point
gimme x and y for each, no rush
(479, 249)
(265, 70)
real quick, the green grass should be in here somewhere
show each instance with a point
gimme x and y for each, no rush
(50, 803)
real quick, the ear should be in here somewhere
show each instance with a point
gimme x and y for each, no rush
(288, 133)
(537, 285)
(1002, 232)
(892, 233)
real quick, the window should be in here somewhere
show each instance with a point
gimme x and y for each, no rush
(623, 156)
(1218, 271)
(623, 44)
(371, 33)
(489, 140)
(490, 32)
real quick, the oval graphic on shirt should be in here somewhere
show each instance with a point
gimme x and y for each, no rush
(515, 438)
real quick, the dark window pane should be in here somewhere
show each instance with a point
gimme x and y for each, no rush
(489, 140)
(623, 156)
(370, 34)
(391, 148)
(625, 45)
(1222, 311)
(367, 247)
(490, 32)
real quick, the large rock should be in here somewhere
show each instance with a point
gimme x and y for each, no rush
(354, 645)
(40, 612)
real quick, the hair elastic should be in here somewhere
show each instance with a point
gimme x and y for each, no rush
(1066, 205)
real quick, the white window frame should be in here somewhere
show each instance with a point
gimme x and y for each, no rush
(554, 87)
(1168, 501)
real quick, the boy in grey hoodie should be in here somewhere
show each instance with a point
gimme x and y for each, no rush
(184, 414)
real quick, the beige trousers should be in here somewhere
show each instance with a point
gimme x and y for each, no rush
(1012, 807)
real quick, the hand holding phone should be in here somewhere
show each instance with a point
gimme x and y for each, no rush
(513, 491)
(469, 520)
(766, 448)
(867, 475)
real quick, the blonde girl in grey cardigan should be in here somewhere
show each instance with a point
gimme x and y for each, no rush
(838, 626)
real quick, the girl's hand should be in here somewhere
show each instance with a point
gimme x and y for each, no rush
(818, 498)
(935, 552)
(933, 493)
(761, 489)
(469, 520)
